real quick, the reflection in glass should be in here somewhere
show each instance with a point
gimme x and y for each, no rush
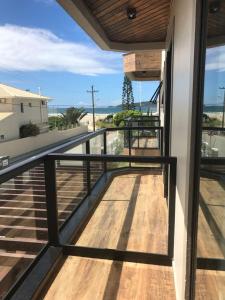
(210, 284)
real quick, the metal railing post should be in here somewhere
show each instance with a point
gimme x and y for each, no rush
(88, 168)
(161, 141)
(129, 144)
(171, 202)
(105, 150)
(51, 201)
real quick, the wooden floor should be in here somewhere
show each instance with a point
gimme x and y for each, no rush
(210, 285)
(211, 232)
(146, 142)
(92, 279)
(131, 216)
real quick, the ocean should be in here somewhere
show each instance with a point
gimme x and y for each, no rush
(53, 109)
(98, 110)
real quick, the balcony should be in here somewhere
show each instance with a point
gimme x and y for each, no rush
(90, 206)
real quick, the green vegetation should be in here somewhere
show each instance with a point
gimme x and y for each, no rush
(66, 120)
(127, 95)
(73, 115)
(210, 122)
(55, 122)
(29, 130)
(119, 118)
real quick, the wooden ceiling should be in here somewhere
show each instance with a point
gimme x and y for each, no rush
(216, 25)
(150, 24)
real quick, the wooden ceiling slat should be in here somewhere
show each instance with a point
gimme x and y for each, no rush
(150, 24)
(160, 32)
(143, 38)
(153, 30)
(155, 37)
(141, 23)
(109, 8)
(216, 22)
(119, 13)
(142, 11)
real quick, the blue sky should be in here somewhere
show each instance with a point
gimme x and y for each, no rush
(41, 46)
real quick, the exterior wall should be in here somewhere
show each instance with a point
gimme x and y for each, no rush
(37, 114)
(183, 14)
(9, 128)
(21, 146)
(5, 105)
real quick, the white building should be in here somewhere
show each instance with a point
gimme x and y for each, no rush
(19, 107)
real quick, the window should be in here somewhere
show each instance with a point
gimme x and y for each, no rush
(43, 102)
(21, 108)
(2, 137)
(30, 104)
(210, 274)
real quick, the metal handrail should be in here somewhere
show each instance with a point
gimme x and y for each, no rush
(33, 161)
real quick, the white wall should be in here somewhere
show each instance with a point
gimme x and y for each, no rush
(21, 146)
(184, 35)
(37, 114)
(9, 128)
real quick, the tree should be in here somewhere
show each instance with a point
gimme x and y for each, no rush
(73, 115)
(127, 95)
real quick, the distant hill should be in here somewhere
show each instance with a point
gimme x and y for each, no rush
(137, 104)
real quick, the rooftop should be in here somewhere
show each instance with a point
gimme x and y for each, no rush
(7, 91)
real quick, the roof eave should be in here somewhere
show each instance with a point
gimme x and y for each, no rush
(79, 12)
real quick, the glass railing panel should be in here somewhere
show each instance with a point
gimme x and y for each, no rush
(23, 224)
(213, 142)
(71, 185)
(117, 144)
(96, 144)
(146, 142)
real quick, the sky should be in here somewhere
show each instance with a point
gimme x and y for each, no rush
(41, 46)
(215, 76)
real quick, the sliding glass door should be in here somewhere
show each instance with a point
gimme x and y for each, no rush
(210, 272)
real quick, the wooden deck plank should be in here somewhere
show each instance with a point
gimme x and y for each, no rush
(93, 279)
(126, 217)
(210, 285)
(207, 245)
(211, 233)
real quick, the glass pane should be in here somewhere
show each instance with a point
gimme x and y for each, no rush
(211, 222)
(71, 185)
(117, 144)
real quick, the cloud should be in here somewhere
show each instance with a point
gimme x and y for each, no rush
(34, 49)
(215, 59)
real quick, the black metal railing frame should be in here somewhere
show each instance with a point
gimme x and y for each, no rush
(51, 187)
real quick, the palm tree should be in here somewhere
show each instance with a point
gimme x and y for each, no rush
(73, 115)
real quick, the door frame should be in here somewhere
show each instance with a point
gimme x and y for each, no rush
(195, 146)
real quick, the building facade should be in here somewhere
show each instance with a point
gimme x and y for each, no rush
(17, 108)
